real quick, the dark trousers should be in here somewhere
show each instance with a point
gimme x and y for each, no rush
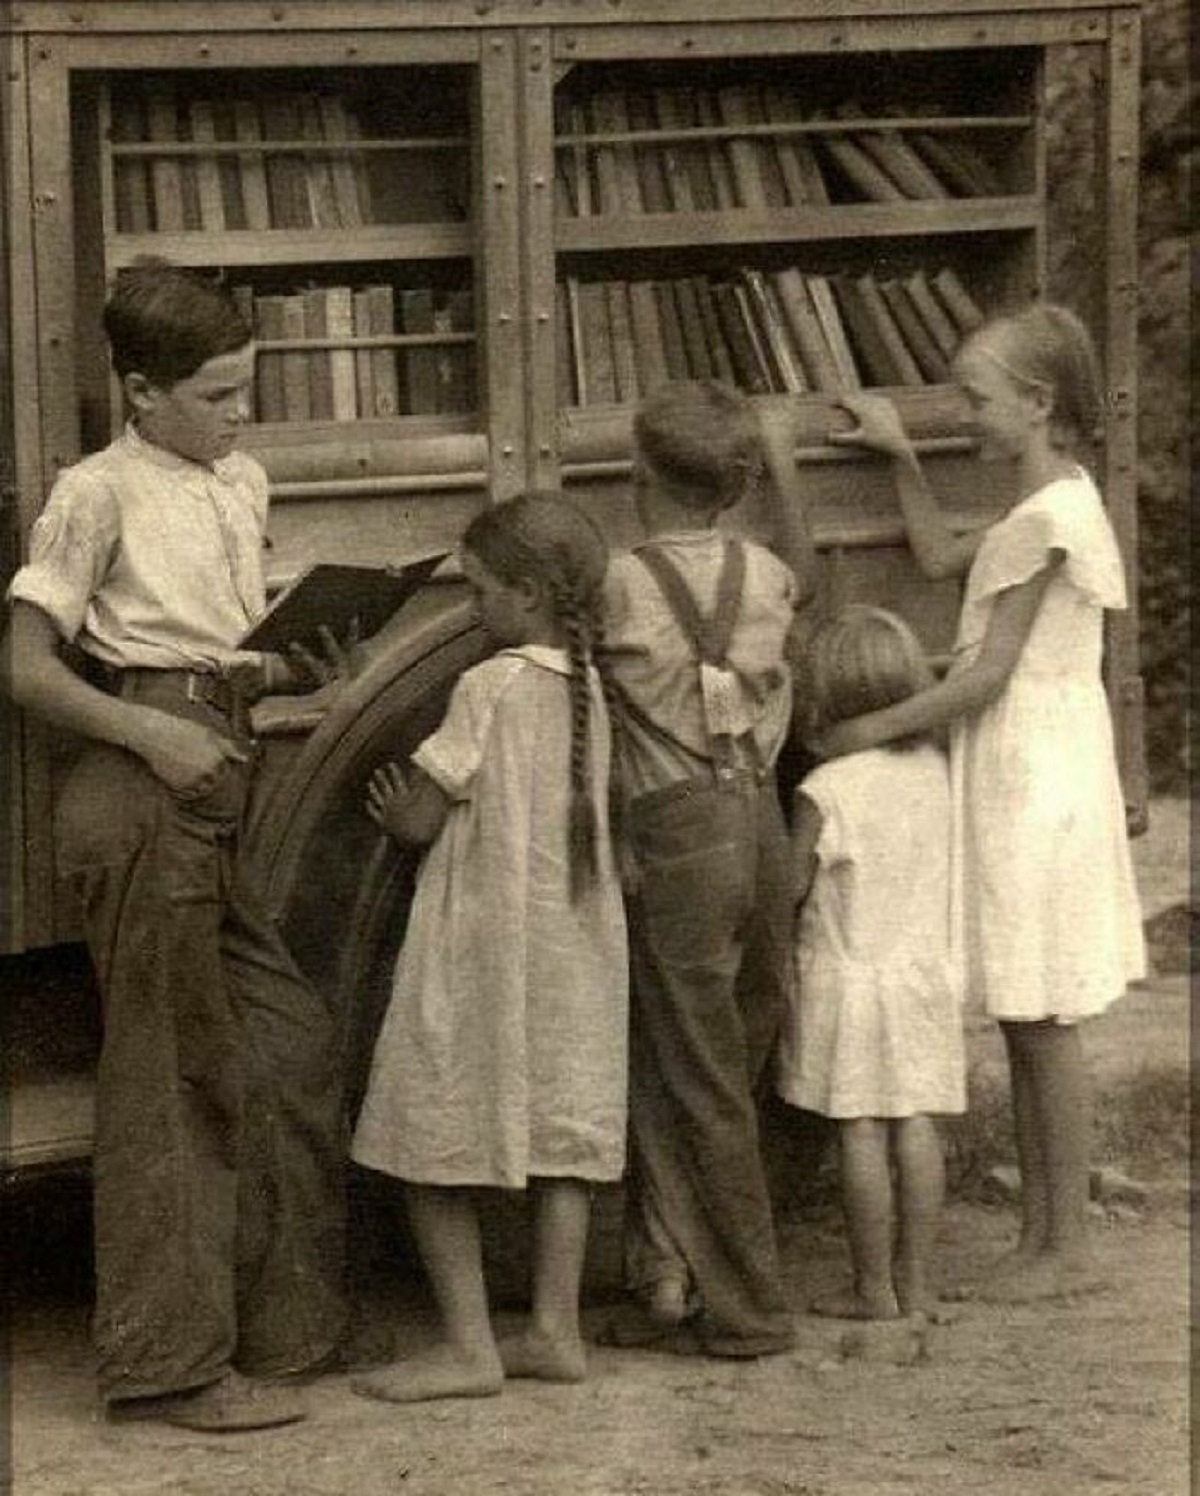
(218, 1173)
(710, 922)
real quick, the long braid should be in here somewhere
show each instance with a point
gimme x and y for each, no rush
(581, 825)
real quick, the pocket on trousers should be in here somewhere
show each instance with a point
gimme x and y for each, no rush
(193, 853)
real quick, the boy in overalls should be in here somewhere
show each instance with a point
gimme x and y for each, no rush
(696, 637)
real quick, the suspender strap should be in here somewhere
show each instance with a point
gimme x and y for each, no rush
(709, 636)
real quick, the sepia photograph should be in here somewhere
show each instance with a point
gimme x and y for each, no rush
(595, 784)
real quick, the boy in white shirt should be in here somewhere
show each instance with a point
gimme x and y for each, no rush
(218, 1160)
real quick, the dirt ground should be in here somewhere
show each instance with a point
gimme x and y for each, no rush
(1057, 1399)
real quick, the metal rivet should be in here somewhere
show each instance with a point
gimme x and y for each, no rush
(506, 450)
(498, 182)
(205, 49)
(543, 316)
(504, 319)
(277, 13)
(544, 449)
(539, 181)
(352, 50)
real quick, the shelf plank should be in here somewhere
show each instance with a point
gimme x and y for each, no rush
(424, 241)
(935, 217)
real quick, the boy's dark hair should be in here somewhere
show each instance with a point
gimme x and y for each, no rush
(164, 322)
(703, 438)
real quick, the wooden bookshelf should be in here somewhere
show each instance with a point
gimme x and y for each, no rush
(750, 173)
(299, 199)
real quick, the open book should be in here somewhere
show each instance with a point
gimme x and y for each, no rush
(335, 595)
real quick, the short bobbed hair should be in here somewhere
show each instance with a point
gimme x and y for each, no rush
(862, 660)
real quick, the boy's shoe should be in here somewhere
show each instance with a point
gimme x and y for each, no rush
(365, 1347)
(231, 1404)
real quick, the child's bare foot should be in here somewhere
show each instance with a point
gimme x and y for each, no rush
(851, 1304)
(1014, 1264)
(440, 1372)
(542, 1357)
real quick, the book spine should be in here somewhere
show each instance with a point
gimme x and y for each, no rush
(385, 377)
(364, 373)
(674, 348)
(718, 350)
(331, 109)
(931, 312)
(208, 176)
(828, 315)
(932, 365)
(670, 107)
(748, 371)
(252, 168)
(268, 328)
(820, 368)
(620, 325)
(859, 170)
(905, 365)
(297, 398)
(564, 357)
(874, 355)
(339, 323)
(581, 174)
(131, 175)
(958, 301)
(771, 327)
(735, 108)
(323, 210)
(320, 379)
(894, 156)
(597, 344)
(964, 171)
(162, 119)
(648, 158)
(716, 154)
(694, 342)
(647, 336)
(776, 111)
(579, 367)
(769, 376)
(228, 171)
(453, 360)
(416, 310)
(287, 180)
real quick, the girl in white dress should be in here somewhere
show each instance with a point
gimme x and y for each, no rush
(874, 1036)
(502, 1058)
(1046, 905)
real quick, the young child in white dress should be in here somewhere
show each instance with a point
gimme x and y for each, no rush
(874, 1038)
(1046, 906)
(501, 1061)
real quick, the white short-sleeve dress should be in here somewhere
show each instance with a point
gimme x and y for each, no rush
(503, 1051)
(1043, 880)
(875, 1027)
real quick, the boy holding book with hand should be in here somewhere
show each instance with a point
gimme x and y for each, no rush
(219, 1147)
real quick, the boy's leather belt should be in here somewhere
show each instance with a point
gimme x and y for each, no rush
(204, 686)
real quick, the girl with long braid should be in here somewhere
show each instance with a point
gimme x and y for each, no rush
(501, 1062)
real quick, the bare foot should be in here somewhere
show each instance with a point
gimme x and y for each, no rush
(543, 1358)
(852, 1305)
(432, 1374)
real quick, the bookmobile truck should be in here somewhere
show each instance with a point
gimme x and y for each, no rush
(468, 232)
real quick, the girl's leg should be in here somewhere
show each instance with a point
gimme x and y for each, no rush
(1065, 1120)
(1058, 1087)
(465, 1363)
(922, 1180)
(551, 1349)
(866, 1184)
(1029, 1138)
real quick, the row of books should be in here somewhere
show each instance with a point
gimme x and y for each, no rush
(764, 331)
(251, 189)
(758, 170)
(357, 376)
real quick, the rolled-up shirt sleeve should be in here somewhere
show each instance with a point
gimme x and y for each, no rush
(71, 547)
